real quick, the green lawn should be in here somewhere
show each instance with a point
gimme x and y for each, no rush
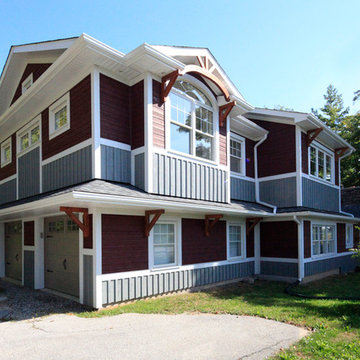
(336, 324)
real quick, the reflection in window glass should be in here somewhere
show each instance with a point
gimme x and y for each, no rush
(323, 239)
(60, 118)
(235, 156)
(164, 244)
(235, 241)
(313, 161)
(35, 135)
(180, 138)
(203, 146)
(24, 141)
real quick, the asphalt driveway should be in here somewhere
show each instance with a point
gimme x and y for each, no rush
(137, 336)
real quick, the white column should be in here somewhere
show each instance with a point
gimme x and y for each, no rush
(81, 265)
(39, 266)
(257, 248)
(300, 250)
(148, 118)
(97, 243)
(2, 250)
(95, 122)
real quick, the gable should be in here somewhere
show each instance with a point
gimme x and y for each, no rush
(36, 70)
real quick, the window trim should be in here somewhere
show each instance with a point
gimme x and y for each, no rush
(56, 106)
(349, 245)
(240, 139)
(243, 240)
(326, 151)
(4, 145)
(178, 256)
(328, 254)
(27, 129)
(215, 111)
(24, 83)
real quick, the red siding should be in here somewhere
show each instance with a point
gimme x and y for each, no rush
(80, 122)
(223, 145)
(198, 248)
(307, 239)
(137, 115)
(304, 154)
(356, 235)
(250, 251)
(10, 169)
(158, 117)
(341, 237)
(249, 149)
(277, 154)
(337, 172)
(124, 244)
(29, 233)
(114, 110)
(88, 240)
(37, 70)
(279, 239)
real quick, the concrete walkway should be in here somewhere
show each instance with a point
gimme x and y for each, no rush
(137, 336)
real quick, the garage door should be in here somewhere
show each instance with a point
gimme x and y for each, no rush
(62, 255)
(13, 250)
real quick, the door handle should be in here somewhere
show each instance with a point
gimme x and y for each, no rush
(8, 263)
(17, 257)
(64, 264)
(47, 270)
(49, 236)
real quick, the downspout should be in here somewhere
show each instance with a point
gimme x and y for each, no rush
(342, 212)
(300, 249)
(257, 186)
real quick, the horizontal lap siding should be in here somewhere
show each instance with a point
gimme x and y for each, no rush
(223, 145)
(241, 189)
(198, 248)
(188, 179)
(277, 154)
(8, 191)
(319, 196)
(29, 233)
(250, 163)
(135, 287)
(279, 239)
(10, 169)
(345, 263)
(88, 240)
(137, 115)
(114, 110)
(304, 154)
(307, 239)
(280, 192)
(36, 69)
(124, 244)
(250, 244)
(80, 122)
(341, 237)
(158, 116)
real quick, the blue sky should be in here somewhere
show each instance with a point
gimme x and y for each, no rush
(276, 52)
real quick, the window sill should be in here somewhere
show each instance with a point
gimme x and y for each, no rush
(59, 132)
(28, 149)
(237, 258)
(322, 181)
(5, 163)
(164, 268)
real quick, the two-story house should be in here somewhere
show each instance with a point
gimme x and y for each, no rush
(130, 175)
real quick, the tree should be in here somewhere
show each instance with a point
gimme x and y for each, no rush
(357, 95)
(333, 113)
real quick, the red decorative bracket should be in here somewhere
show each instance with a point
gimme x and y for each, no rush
(224, 111)
(150, 224)
(340, 152)
(167, 83)
(311, 135)
(84, 226)
(251, 223)
(210, 221)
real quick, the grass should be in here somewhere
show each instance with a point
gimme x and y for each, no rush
(336, 323)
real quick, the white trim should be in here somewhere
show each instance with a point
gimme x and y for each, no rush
(277, 177)
(331, 256)
(4, 145)
(122, 275)
(282, 260)
(56, 106)
(238, 176)
(319, 147)
(12, 177)
(148, 133)
(68, 151)
(95, 123)
(327, 254)
(324, 182)
(298, 145)
(97, 259)
(30, 80)
(241, 140)
(115, 144)
(243, 240)
(36, 122)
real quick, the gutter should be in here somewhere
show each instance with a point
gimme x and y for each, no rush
(257, 186)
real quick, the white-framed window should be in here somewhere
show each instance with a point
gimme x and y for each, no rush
(191, 121)
(349, 236)
(25, 85)
(29, 136)
(6, 153)
(59, 116)
(164, 244)
(237, 154)
(323, 239)
(235, 241)
(321, 163)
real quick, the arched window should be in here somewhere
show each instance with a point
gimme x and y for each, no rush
(191, 121)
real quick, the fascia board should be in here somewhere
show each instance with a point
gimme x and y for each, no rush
(244, 122)
(104, 199)
(319, 215)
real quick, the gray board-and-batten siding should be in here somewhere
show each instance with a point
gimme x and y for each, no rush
(319, 196)
(88, 280)
(136, 287)
(68, 170)
(345, 263)
(276, 268)
(115, 164)
(29, 173)
(241, 189)
(29, 269)
(8, 191)
(189, 179)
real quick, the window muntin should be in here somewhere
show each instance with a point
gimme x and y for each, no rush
(237, 155)
(26, 84)
(164, 244)
(349, 236)
(59, 116)
(235, 241)
(6, 153)
(29, 138)
(191, 121)
(321, 164)
(323, 239)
